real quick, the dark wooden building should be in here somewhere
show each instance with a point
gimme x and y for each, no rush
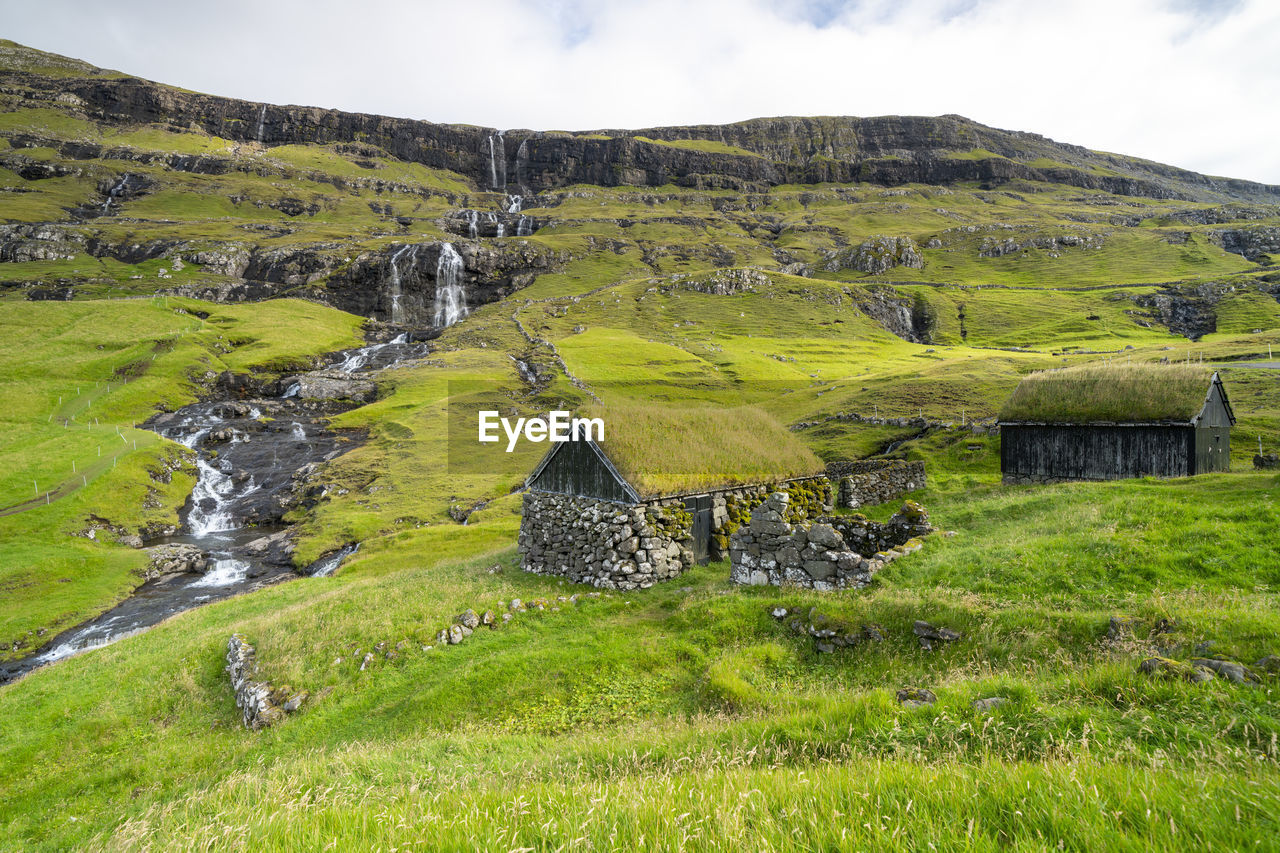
(1114, 423)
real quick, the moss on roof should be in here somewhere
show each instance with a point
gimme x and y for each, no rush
(1116, 393)
(666, 450)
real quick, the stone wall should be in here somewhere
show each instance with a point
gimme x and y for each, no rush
(605, 544)
(261, 705)
(730, 509)
(623, 546)
(875, 481)
(829, 553)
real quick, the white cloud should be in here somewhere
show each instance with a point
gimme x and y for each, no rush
(1184, 82)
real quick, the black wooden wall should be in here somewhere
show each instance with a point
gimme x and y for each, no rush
(576, 469)
(1097, 452)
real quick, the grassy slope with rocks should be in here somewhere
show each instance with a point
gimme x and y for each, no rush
(683, 715)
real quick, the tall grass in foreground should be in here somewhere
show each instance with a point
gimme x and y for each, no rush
(866, 805)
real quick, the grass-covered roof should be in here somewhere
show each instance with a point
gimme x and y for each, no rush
(662, 451)
(1113, 393)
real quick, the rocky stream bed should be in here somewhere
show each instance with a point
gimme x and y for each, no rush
(259, 446)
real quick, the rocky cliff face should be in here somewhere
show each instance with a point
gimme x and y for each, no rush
(370, 284)
(885, 150)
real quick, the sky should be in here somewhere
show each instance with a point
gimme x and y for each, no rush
(1192, 83)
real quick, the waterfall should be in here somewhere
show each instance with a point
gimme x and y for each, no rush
(522, 162)
(451, 300)
(473, 224)
(515, 203)
(498, 176)
(262, 120)
(524, 227)
(115, 192)
(224, 572)
(397, 311)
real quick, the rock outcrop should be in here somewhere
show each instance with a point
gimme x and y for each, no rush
(174, 560)
(877, 255)
(1253, 242)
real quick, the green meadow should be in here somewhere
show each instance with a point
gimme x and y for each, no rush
(681, 717)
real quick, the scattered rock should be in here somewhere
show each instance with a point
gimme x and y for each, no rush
(916, 697)
(1121, 627)
(1269, 664)
(1161, 667)
(1236, 673)
(982, 706)
(175, 559)
(928, 635)
(468, 619)
(779, 613)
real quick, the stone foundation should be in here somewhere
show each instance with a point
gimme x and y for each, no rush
(875, 481)
(829, 553)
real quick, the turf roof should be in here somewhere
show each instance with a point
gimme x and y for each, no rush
(664, 451)
(1113, 393)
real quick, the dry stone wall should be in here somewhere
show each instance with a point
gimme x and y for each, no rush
(875, 481)
(622, 546)
(605, 544)
(261, 705)
(826, 554)
(730, 509)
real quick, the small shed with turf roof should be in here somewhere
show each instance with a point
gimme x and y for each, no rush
(661, 491)
(1109, 422)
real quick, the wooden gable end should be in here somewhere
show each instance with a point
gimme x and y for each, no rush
(580, 468)
(1217, 411)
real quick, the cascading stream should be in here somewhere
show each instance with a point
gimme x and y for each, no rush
(115, 192)
(249, 456)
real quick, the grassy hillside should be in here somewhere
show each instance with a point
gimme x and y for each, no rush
(679, 717)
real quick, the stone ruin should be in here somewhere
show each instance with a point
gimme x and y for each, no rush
(828, 553)
(874, 481)
(261, 705)
(633, 546)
